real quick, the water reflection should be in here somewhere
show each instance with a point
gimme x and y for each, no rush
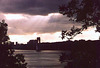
(43, 59)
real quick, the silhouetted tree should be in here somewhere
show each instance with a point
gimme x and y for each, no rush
(7, 57)
(85, 12)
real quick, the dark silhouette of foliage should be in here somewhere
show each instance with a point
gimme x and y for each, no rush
(81, 11)
(3, 32)
(7, 57)
(83, 55)
(86, 12)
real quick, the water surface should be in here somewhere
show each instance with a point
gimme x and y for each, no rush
(43, 59)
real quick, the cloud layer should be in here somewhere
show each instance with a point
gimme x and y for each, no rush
(51, 23)
(27, 17)
(33, 7)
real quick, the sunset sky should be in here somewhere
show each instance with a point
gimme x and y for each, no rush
(29, 19)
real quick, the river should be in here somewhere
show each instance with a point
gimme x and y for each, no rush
(43, 59)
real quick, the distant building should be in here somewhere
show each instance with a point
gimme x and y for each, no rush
(65, 45)
(33, 44)
(34, 41)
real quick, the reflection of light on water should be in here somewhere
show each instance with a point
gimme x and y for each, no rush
(43, 59)
(50, 51)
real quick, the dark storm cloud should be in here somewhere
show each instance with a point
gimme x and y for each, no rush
(35, 7)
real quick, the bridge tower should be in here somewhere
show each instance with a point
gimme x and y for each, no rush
(38, 39)
(38, 45)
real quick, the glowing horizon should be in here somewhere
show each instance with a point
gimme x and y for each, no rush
(45, 27)
(54, 37)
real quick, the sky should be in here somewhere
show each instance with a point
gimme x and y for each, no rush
(29, 19)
